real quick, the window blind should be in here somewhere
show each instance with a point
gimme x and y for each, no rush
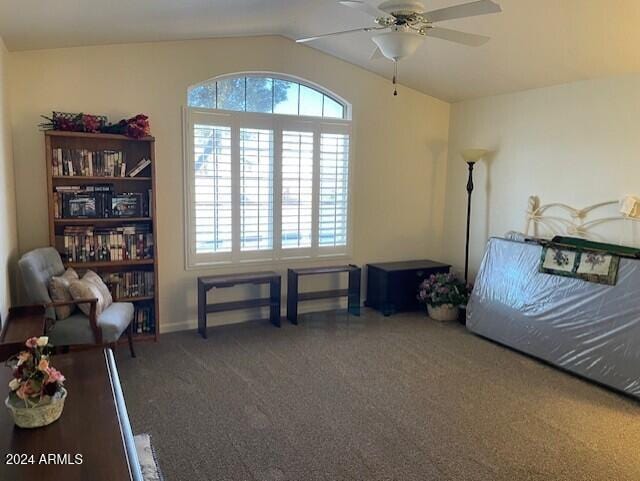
(212, 190)
(265, 188)
(256, 189)
(334, 190)
(297, 189)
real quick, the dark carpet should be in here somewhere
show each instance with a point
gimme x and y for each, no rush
(372, 398)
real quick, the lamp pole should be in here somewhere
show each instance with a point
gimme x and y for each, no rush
(470, 156)
(466, 248)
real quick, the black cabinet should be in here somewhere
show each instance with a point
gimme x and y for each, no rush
(393, 286)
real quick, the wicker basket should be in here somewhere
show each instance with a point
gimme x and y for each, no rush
(443, 313)
(38, 416)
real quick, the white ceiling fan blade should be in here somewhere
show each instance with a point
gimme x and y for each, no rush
(377, 53)
(481, 7)
(470, 39)
(364, 7)
(332, 34)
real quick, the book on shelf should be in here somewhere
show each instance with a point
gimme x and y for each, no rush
(127, 205)
(130, 284)
(97, 201)
(90, 244)
(140, 166)
(88, 163)
(82, 201)
(144, 319)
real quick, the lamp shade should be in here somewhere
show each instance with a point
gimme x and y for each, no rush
(397, 45)
(474, 155)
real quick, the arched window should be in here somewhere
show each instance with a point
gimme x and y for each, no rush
(267, 169)
(265, 94)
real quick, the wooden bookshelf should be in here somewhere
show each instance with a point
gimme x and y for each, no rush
(109, 264)
(134, 299)
(133, 150)
(98, 179)
(97, 221)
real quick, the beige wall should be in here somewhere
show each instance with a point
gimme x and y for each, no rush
(8, 231)
(400, 144)
(576, 143)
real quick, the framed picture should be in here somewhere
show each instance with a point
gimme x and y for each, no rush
(590, 266)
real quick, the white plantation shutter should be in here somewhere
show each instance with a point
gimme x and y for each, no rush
(265, 187)
(256, 189)
(334, 190)
(297, 189)
(212, 204)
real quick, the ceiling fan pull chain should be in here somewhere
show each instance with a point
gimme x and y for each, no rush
(395, 77)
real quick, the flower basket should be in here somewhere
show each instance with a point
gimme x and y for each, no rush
(45, 412)
(37, 393)
(443, 295)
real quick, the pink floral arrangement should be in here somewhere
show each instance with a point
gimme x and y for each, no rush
(34, 377)
(135, 127)
(138, 126)
(444, 289)
(74, 122)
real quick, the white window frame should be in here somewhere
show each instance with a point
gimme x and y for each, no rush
(278, 76)
(277, 123)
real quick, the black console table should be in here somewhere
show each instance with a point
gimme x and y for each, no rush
(393, 286)
(293, 296)
(207, 283)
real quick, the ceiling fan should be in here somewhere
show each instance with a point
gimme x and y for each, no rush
(407, 25)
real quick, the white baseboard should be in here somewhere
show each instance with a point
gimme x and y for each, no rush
(239, 316)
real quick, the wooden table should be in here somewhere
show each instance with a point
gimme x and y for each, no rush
(293, 296)
(94, 424)
(22, 323)
(393, 286)
(229, 280)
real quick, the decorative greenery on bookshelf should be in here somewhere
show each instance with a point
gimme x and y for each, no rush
(135, 127)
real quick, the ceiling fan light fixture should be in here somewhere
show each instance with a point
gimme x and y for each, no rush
(401, 7)
(397, 45)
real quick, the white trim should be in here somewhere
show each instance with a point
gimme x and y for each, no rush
(276, 123)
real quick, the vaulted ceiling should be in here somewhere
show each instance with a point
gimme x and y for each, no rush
(534, 42)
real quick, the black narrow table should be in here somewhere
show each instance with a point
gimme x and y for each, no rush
(92, 440)
(293, 296)
(393, 286)
(229, 280)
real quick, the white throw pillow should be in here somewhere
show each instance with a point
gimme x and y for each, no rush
(89, 287)
(59, 292)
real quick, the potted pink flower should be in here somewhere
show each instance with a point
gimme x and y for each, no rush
(443, 295)
(37, 393)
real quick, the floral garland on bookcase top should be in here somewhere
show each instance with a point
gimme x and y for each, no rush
(135, 127)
